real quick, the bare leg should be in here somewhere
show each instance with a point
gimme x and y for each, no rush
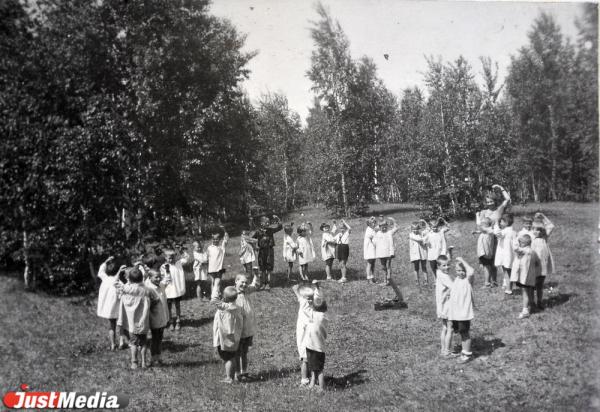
(443, 335)
(229, 369)
(343, 269)
(243, 361)
(486, 275)
(433, 266)
(328, 270)
(312, 379)
(143, 350)
(134, 349)
(466, 343)
(424, 270)
(321, 377)
(369, 270)
(448, 337)
(177, 313)
(304, 371)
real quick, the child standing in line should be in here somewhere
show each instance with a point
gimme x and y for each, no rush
(526, 229)
(369, 248)
(436, 242)
(526, 268)
(506, 238)
(290, 249)
(159, 313)
(176, 289)
(542, 228)
(417, 252)
(108, 301)
(306, 249)
(314, 338)
(383, 248)
(343, 248)
(460, 306)
(227, 331)
(199, 268)
(443, 285)
(134, 314)
(328, 245)
(305, 295)
(248, 322)
(215, 254)
(266, 243)
(247, 254)
(486, 249)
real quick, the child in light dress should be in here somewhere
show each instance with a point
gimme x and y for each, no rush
(243, 289)
(290, 249)
(200, 269)
(542, 228)
(175, 290)
(227, 331)
(305, 295)
(384, 247)
(526, 229)
(215, 254)
(435, 239)
(343, 248)
(247, 253)
(443, 285)
(460, 306)
(369, 248)
(506, 239)
(328, 245)
(159, 313)
(306, 249)
(108, 300)
(526, 268)
(314, 338)
(486, 250)
(417, 251)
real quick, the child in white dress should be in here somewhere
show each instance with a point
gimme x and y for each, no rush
(328, 245)
(343, 248)
(159, 312)
(108, 301)
(200, 267)
(314, 338)
(290, 249)
(506, 239)
(384, 247)
(417, 251)
(249, 322)
(525, 270)
(305, 295)
(306, 249)
(369, 248)
(247, 253)
(175, 290)
(216, 254)
(443, 285)
(227, 331)
(460, 306)
(486, 250)
(542, 228)
(436, 242)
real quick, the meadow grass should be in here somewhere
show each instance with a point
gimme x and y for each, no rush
(384, 360)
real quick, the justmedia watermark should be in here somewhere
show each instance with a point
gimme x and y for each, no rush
(63, 400)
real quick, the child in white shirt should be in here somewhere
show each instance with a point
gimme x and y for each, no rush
(417, 251)
(305, 295)
(215, 254)
(247, 253)
(506, 240)
(343, 248)
(314, 338)
(306, 249)
(290, 249)
(443, 285)
(328, 245)
(542, 228)
(199, 268)
(249, 322)
(436, 242)
(460, 306)
(227, 331)
(176, 289)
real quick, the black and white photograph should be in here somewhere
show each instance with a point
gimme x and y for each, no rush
(279, 205)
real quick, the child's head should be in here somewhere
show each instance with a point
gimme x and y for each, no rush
(135, 275)
(506, 220)
(241, 282)
(461, 270)
(229, 294)
(196, 246)
(306, 292)
(170, 256)
(443, 263)
(539, 230)
(415, 227)
(215, 238)
(325, 227)
(154, 276)
(264, 221)
(524, 240)
(490, 202)
(288, 229)
(149, 260)
(372, 222)
(486, 222)
(435, 224)
(319, 304)
(383, 226)
(527, 222)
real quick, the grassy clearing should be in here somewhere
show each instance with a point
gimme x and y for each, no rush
(384, 360)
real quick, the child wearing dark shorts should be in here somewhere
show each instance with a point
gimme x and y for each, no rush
(460, 306)
(315, 336)
(227, 331)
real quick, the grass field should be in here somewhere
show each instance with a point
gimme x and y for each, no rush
(385, 360)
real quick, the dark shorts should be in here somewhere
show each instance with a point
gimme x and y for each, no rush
(245, 343)
(177, 299)
(226, 355)
(342, 252)
(486, 261)
(136, 339)
(329, 262)
(217, 275)
(519, 284)
(315, 360)
(266, 259)
(461, 326)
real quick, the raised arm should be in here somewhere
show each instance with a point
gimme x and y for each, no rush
(346, 225)
(102, 269)
(468, 268)
(505, 201)
(548, 225)
(394, 227)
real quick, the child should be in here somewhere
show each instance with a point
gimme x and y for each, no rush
(290, 249)
(506, 238)
(108, 301)
(176, 289)
(200, 272)
(443, 284)
(526, 229)
(369, 248)
(382, 248)
(248, 324)
(436, 242)
(266, 242)
(215, 254)
(542, 228)
(247, 255)
(328, 247)
(525, 270)
(460, 306)
(486, 249)
(417, 252)
(343, 248)
(305, 295)
(314, 338)
(306, 249)
(159, 312)
(227, 331)
(134, 314)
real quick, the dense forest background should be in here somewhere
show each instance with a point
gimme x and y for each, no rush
(125, 122)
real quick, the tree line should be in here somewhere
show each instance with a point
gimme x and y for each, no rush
(126, 122)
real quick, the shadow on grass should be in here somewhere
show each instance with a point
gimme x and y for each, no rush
(272, 374)
(195, 323)
(485, 347)
(346, 381)
(192, 363)
(558, 299)
(175, 347)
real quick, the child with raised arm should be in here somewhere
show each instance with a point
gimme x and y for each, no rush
(306, 249)
(436, 242)
(486, 249)
(443, 285)
(506, 239)
(290, 249)
(417, 252)
(108, 300)
(215, 254)
(328, 245)
(382, 248)
(199, 267)
(248, 322)
(305, 295)
(266, 243)
(527, 223)
(227, 331)
(343, 248)
(460, 306)
(175, 290)
(542, 228)
(369, 248)
(526, 268)
(159, 312)
(247, 254)
(315, 336)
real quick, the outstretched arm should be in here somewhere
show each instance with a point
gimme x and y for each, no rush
(504, 203)
(548, 225)
(468, 268)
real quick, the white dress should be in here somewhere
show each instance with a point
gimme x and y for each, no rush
(436, 245)
(460, 303)
(443, 284)
(416, 248)
(108, 301)
(176, 288)
(327, 250)
(306, 250)
(369, 246)
(383, 244)
(504, 249)
(289, 246)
